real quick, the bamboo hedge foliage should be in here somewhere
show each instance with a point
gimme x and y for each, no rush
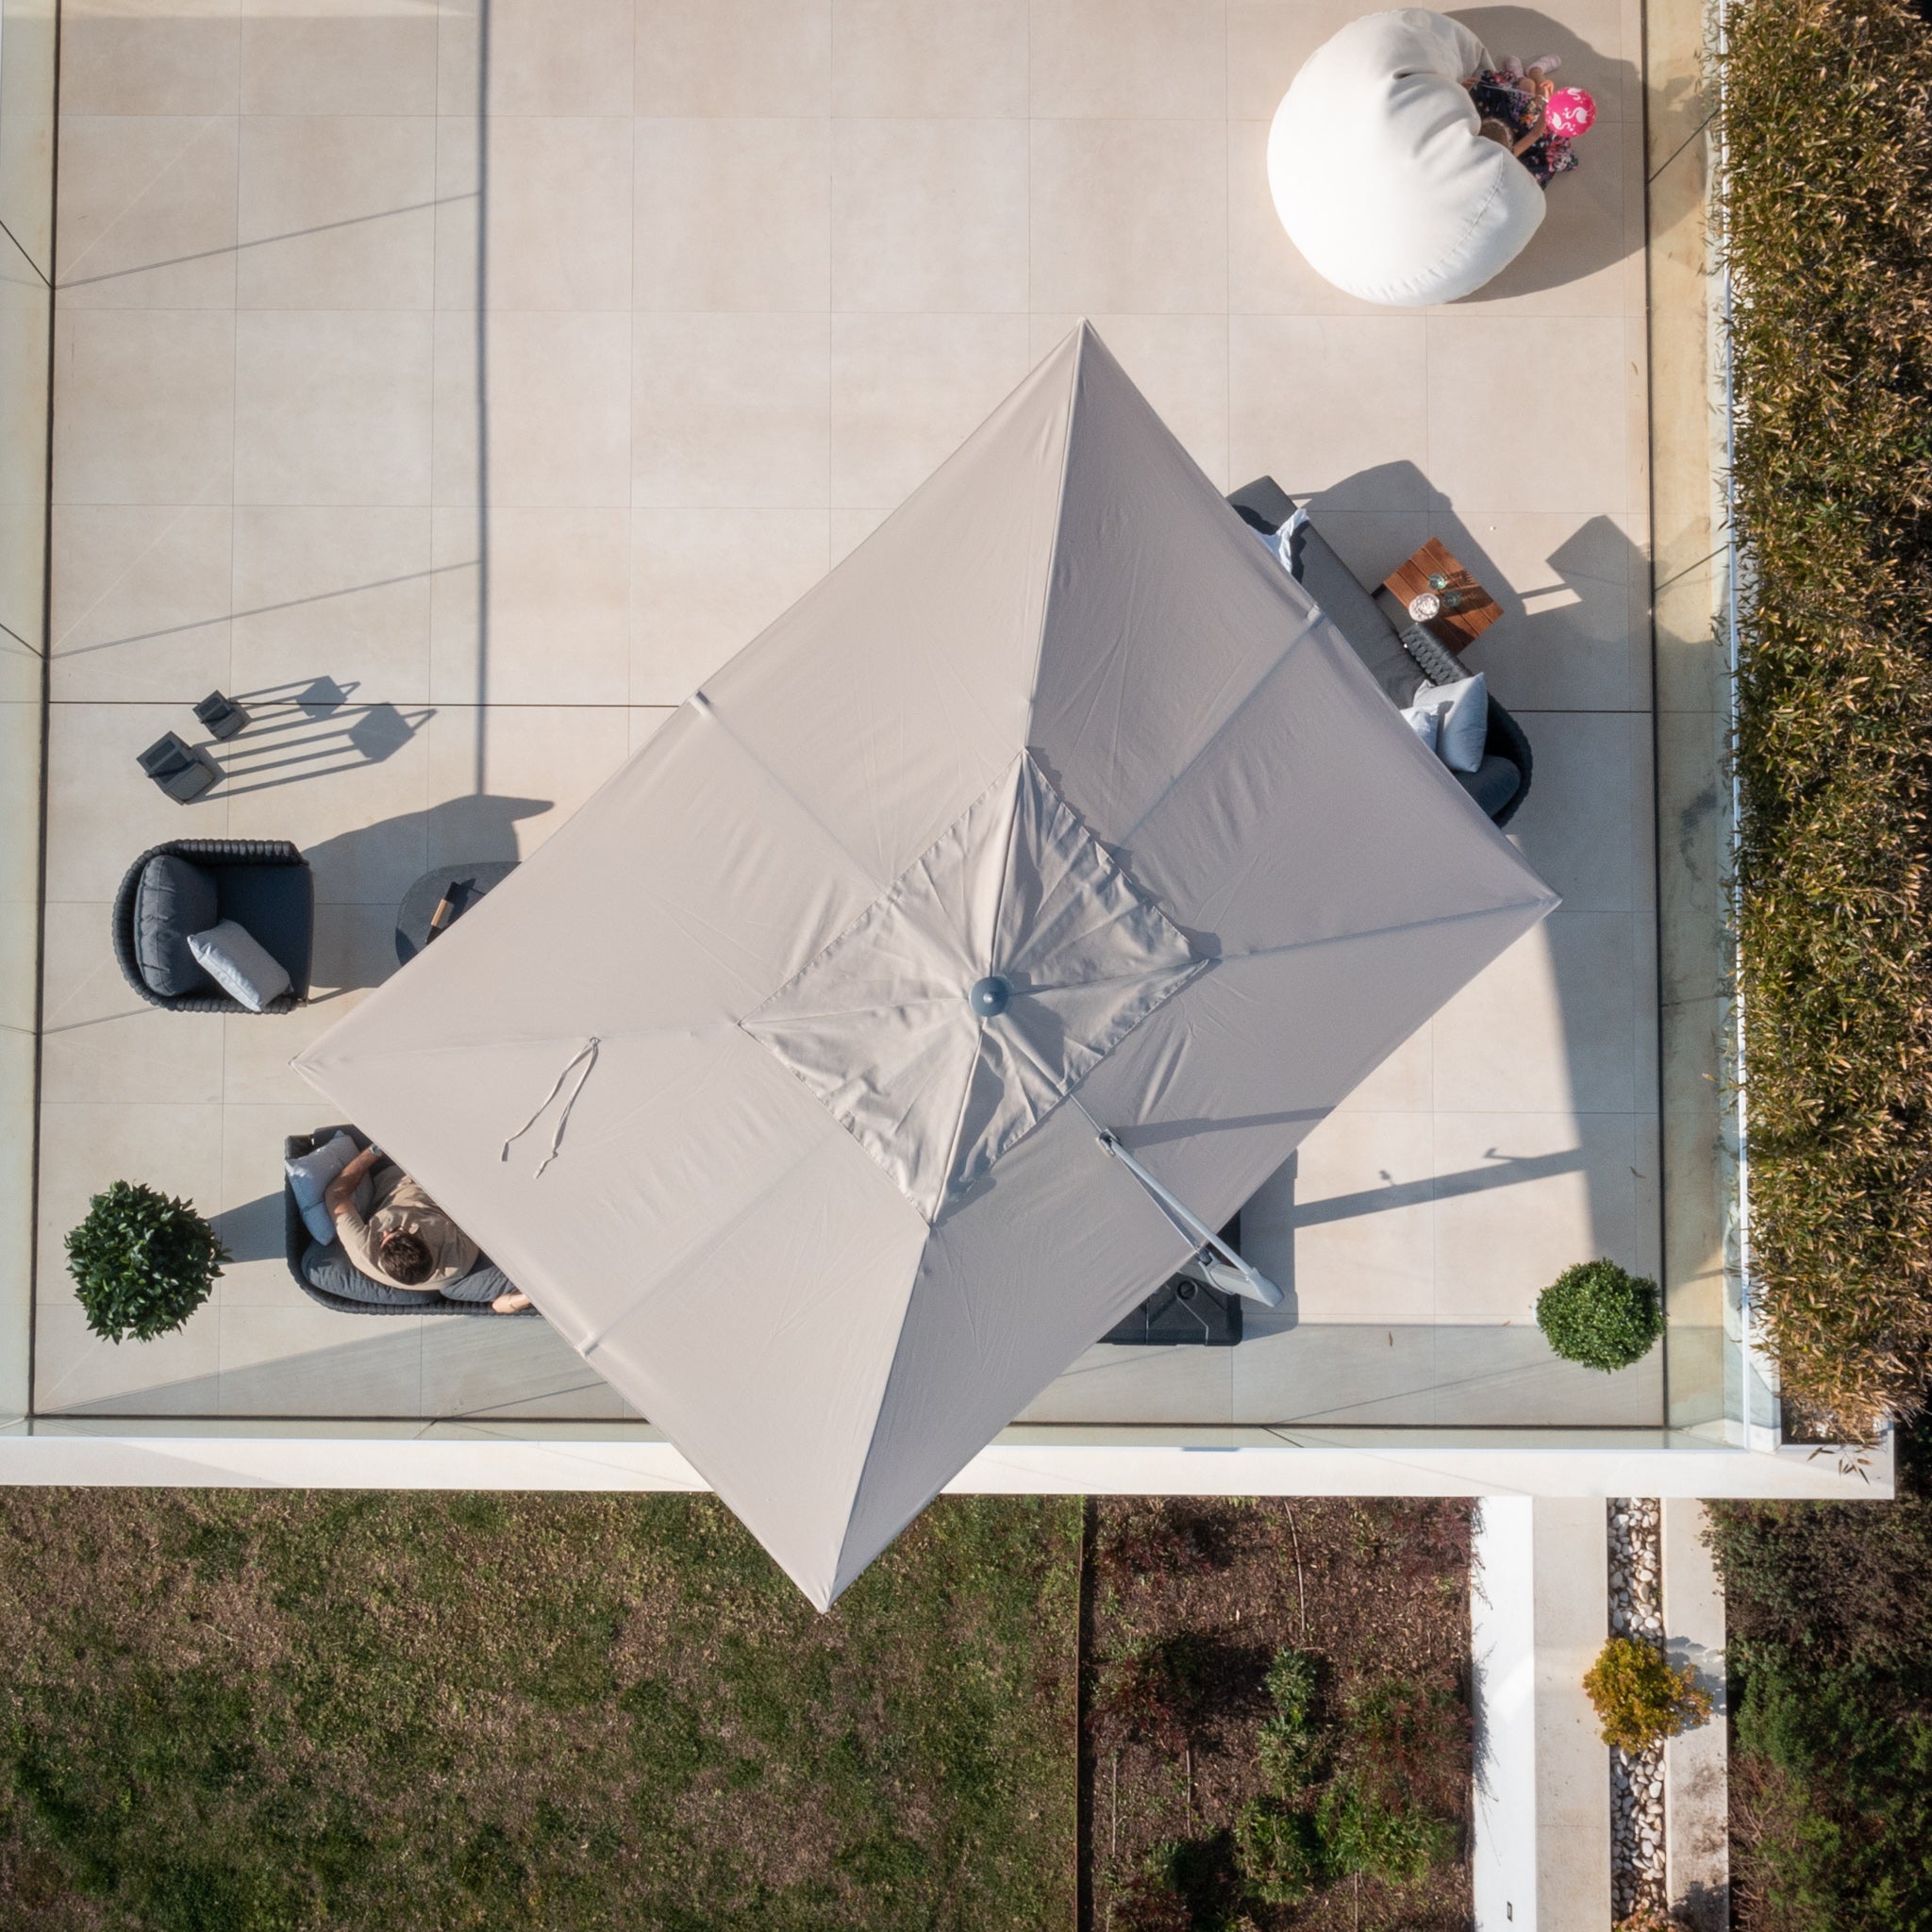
(1828, 215)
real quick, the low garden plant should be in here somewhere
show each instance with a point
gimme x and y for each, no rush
(1156, 1694)
(1600, 1315)
(1371, 1790)
(1827, 128)
(141, 1261)
(1291, 1746)
(1276, 1729)
(1639, 1697)
(1829, 1626)
(1153, 1536)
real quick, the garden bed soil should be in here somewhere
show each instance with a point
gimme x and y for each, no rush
(1374, 1587)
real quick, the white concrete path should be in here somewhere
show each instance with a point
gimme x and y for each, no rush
(1539, 1607)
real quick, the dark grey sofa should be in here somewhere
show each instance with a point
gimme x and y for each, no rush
(374, 1297)
(1501, 784)
(264, 885)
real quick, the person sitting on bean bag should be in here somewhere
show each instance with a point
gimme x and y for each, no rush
(1525, 111)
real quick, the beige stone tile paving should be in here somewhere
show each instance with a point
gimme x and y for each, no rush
(462, 422)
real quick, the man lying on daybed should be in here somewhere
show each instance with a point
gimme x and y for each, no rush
(406, 1239)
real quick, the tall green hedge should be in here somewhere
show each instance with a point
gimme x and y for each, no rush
(1827, 116)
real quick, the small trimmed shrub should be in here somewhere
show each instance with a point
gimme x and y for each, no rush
(1361, 1832)
(1290, 1747)
(1280, 1852)
(1640, 1698)
(1154, 1695)
(1161, 1536)
(1600, 1315)
(1147, 1903)
(141, 1261)
(1412, 1745)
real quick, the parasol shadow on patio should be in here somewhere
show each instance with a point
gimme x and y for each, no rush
(778, 1075)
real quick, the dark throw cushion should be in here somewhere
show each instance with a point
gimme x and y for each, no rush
(175, 899)
(1356, 614)
(331, 1270)
(1493, 784)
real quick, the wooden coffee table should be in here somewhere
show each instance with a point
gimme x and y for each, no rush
(1453, 629)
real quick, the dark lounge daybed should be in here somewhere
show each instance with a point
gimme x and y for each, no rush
(1502, 782)
(327, 1275)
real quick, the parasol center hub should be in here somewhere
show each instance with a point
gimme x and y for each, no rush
(990, 997)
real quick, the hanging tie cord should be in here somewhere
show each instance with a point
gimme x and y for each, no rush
(585, 1058)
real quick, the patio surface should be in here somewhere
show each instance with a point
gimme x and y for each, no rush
(752, 268)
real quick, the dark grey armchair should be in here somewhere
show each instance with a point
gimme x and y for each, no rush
(1501, 784)
(264, 885)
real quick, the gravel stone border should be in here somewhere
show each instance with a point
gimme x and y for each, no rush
(1638, 1877)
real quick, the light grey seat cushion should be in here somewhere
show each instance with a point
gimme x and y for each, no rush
(309, 1176)
(176, 898)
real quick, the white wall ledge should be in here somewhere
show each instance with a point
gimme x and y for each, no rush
(1021, 1461)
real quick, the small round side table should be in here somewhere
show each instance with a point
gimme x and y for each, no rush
(465, 883)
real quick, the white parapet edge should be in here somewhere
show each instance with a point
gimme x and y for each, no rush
(1035, 1460)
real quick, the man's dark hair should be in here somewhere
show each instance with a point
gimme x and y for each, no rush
(406, 1260)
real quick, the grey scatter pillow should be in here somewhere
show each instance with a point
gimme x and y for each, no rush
(174, 899)
(246, 969)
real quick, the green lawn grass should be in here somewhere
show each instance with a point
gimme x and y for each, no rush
(225, 1710)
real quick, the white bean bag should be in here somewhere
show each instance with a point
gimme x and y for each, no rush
(1379, 173)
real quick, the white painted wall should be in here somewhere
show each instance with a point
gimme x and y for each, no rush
(1021, 1461)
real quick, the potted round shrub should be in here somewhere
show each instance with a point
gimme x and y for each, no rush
(141, 1261)
(1600, 1315)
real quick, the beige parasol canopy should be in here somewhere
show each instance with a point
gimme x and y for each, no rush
(775, 1076)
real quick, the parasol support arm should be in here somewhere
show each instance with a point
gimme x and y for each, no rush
(1224, 1267)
